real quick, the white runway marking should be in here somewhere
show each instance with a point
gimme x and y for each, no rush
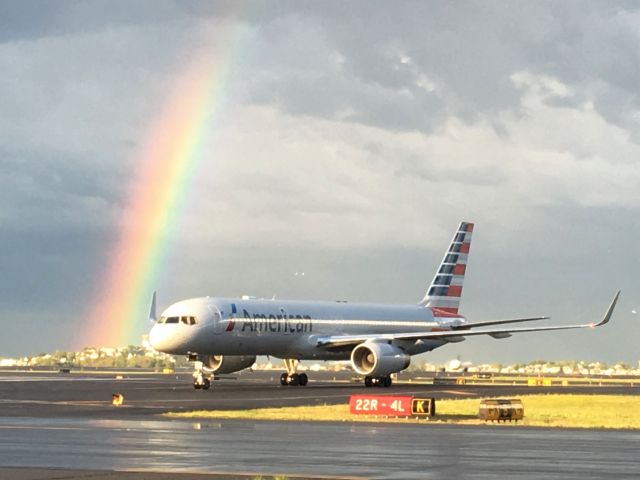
(460, 392)
(42, 427)
(74, 379)
(80, 403)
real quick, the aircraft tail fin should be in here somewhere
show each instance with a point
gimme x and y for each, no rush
(446, 287)
(153, 317)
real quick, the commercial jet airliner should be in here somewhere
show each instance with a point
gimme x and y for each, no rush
(226, 334)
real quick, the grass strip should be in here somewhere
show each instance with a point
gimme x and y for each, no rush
(563, 411)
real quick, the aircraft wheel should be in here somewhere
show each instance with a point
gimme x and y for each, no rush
(386, 381)
(206, 383)
(283, 379)
(368, 381)
(294, 379)
(303, 379)
(197, 386)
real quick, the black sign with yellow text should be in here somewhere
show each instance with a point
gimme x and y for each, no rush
(423, 406)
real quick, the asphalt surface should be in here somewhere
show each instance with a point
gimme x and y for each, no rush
(66, 474)
(90, 395)
(390, 451)
(63, 426)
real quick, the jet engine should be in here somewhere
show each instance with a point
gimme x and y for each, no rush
(227, 363)
(378, 359)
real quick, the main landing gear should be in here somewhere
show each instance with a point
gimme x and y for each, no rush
(200, 380)
(290, 377)
(378, 381)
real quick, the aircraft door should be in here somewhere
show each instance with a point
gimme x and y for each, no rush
(219, 323)
(285, 322)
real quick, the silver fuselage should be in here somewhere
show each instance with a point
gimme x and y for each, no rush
(287, 329)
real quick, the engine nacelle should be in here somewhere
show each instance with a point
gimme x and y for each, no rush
(378, 359)
(227, 363)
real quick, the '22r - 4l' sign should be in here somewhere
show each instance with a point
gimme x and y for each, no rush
(387, 405)
(392, 405)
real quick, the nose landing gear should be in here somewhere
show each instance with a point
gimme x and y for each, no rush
(200, 380)
(290, 377)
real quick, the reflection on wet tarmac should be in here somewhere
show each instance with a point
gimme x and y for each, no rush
(386, 451)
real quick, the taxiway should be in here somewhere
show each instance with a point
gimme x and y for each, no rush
(53, 421)
(149, 394)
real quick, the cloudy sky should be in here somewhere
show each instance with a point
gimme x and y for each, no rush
(350, 140)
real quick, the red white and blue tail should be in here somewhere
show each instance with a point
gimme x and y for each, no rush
(445, 291)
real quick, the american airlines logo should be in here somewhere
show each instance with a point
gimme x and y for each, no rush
(260, 322)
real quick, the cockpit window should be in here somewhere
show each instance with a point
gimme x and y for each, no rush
(185, 320)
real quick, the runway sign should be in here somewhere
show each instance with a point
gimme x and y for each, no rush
(424, 407)
(387, 405)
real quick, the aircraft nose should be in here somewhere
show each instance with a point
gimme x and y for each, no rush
(173, 339)
(154, 338)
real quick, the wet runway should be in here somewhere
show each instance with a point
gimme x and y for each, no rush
(67, 421)
(380, 451)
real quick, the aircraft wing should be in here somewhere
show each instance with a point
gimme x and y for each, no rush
(334, 341)
(486, 323)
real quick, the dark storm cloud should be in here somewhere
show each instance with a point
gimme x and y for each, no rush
(43, 18)
(367, 62)
(19, 20)
(28, 19)
(48, 194)
(379, 58)
(56, 225)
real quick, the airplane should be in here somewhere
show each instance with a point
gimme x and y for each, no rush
(378, 340)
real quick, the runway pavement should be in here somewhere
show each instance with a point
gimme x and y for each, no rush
(389, 451)
(68, 474)
(90, 394)
(52, 421)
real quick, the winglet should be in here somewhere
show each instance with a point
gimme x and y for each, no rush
(152, 309)
(607, 316)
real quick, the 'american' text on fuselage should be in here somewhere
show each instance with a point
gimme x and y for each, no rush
(259, 322)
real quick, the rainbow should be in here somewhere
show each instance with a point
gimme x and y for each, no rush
(165, 166)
